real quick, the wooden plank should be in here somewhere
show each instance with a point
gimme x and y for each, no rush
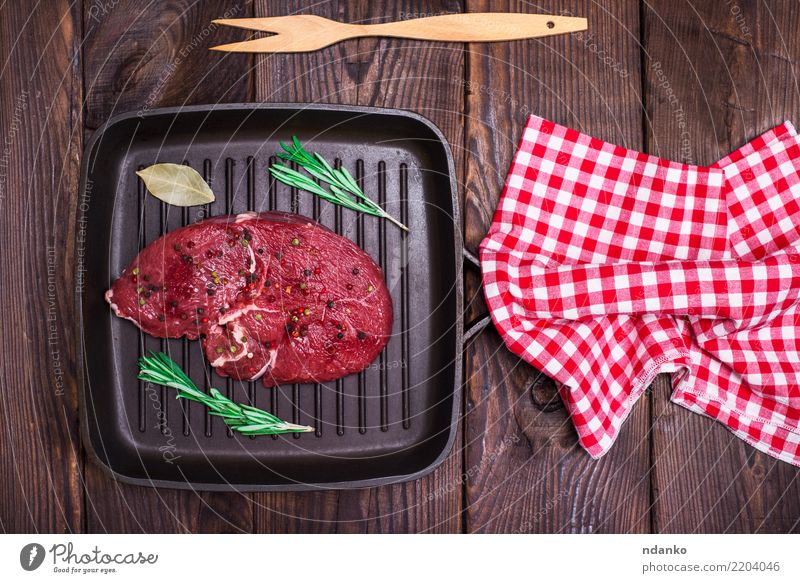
(525, 470)
(387, 73)
(141, 56)
(717, 74)
(40, 135)
(137, 58)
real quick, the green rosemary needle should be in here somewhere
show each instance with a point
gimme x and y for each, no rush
(162, 370)
(342, 188)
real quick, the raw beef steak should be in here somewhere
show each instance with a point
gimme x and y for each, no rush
(270, 294)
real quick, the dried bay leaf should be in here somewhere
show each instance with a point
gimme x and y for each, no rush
(176, 184)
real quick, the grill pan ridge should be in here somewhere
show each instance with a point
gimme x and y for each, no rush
(393, 422)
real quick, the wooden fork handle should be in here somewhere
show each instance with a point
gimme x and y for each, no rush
(476, 27)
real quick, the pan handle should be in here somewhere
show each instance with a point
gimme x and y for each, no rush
(476, 326)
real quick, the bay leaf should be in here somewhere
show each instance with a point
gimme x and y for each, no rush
(176, 184)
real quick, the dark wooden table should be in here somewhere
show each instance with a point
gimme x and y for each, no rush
(685, 80)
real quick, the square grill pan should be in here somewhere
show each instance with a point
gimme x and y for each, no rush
(395, 421)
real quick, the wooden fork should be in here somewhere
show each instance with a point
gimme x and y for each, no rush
(306, 32)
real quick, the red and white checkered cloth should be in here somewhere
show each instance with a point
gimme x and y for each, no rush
(605, 267)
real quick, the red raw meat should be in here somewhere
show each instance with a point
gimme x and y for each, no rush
(271, 294)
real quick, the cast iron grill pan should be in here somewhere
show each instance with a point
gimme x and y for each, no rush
(392, 422)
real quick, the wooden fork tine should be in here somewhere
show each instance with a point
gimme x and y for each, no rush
(267, 24)
(271, 44)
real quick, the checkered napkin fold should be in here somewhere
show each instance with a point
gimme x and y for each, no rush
(605, 267)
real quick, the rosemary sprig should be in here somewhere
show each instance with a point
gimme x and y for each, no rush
(343, 189)
(162, 370)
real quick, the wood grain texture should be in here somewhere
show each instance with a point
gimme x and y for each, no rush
(717, 75)
(526, 471)
(325, 76)
(137, 58)
(421, 77)
(40, 137)
(144, 55)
